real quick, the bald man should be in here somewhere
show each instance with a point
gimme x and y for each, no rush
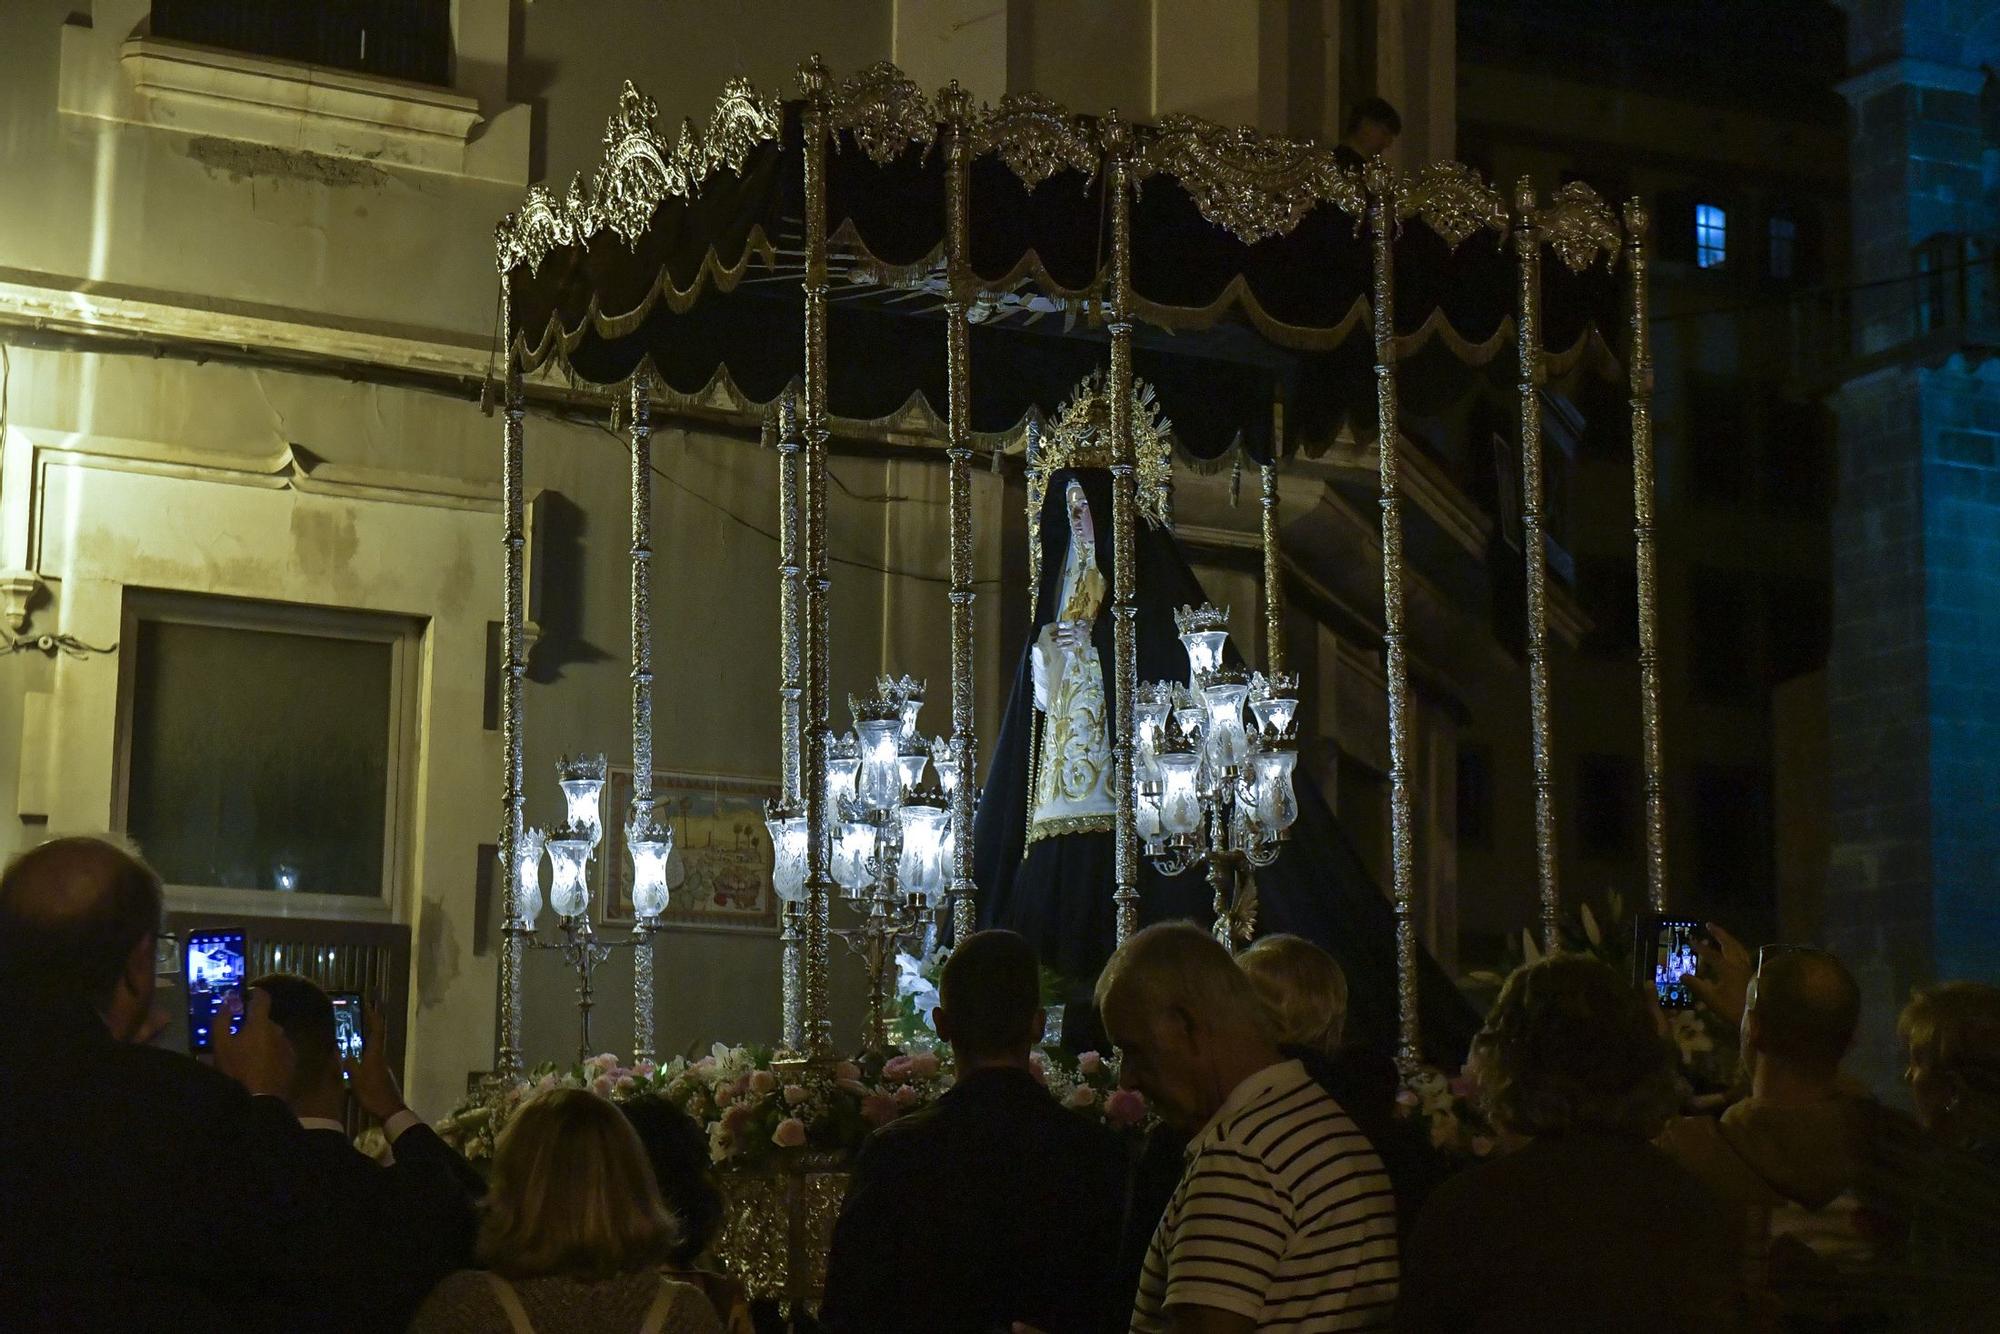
(141, 1189)
(1805, 1156)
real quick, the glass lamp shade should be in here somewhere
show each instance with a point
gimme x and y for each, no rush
(788, 854)
(1226, 744)
(911, 761)
(528, 851)
(1180, 796)
(944, 759)
(853, 849)
(1204, 632)
(1274, 804)
(907, 694)
(921, 869)
(1187, 714)
(1204, 650)
(650, 844)
(1147, 809)
(1149, 716)
(569, 884)
(582, 781)
(881, 785)
(843, 768)
(1274, 716)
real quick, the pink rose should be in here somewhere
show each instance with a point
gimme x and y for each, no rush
(906, 1097)
(545, 1083)
(1125, 1107)
(645, 1069)
(624, 1084)
(601, 1086)
(924, 1065)
(1090, 1063)
(1463, 1086)
(897, 1068)
(736, 1118)
(1407, 1098)
(878, 1109)
(1083, 1095)
(847, 1071)
(725, 1095)
(853, 1086)
(790, 1134)
(1481, 1145)
(703, 1066)
(795, 1094)
(762, 1082)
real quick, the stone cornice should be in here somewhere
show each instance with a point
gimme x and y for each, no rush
(1912, 72)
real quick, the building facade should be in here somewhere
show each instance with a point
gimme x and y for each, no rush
(249, 530)
(1723, 118)
(1914, 768)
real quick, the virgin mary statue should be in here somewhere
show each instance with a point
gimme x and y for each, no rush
(1043, 852)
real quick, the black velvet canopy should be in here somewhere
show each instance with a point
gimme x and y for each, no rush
(709, 285)
(1251, 281)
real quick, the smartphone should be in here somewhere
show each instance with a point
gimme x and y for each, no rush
(1665, 959)
(214, 972)
(347, 1025)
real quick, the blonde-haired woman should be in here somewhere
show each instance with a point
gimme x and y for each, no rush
(574, 1235)
(1303, 990)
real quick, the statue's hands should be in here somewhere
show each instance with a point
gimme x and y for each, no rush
(1074, 636)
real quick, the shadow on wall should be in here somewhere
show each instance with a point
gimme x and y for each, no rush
(558, 595)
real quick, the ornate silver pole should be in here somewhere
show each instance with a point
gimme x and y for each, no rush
(1383, 190)
(1528, 344)
(1124, 610)
(818, 1033)
(513, 932)
(1639, 366)
(1274, 568)
(956, 107)
(790, 591)
(642, 697)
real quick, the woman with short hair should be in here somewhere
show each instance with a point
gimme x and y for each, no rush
(678, 1148)
(574, 1236)
(1951, 1033)
(1303, 988)
(1584, 1224)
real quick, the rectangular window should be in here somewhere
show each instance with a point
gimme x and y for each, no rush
(1607, 799)
(1734, 858)
(398, 39)
(1608, 589)
(264, 747)
(1711, 235)
(1718, 429)
(1939, 265)
(1475, 796)
(1723, 635)
(1784, 248)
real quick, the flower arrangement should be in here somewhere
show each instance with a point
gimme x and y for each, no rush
(754, 1115)
(1448, 1106)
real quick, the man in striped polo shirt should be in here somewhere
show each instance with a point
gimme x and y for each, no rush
(1284, 1218)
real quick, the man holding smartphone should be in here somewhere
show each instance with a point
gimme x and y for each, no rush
(402, 1226)
(1800, 1163)
(144, 1190)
